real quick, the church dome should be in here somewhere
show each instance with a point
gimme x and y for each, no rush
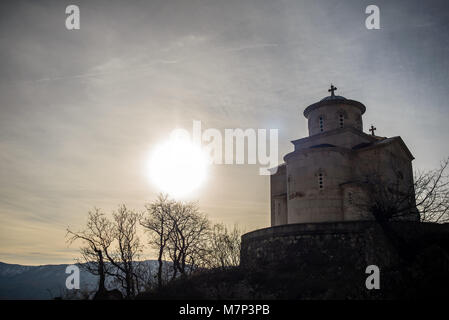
(334, 112)
(333, 98)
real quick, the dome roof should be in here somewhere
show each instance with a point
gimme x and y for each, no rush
(333, 98)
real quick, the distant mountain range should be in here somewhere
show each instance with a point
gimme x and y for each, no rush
(44, 282)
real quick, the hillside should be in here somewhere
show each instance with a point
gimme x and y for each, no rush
(43, 282)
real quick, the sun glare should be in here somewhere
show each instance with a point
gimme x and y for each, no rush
(178, 167)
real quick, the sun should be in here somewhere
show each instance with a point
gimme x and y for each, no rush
(178, 167)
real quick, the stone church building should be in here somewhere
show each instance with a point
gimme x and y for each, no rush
(326, 177)
(324, 233)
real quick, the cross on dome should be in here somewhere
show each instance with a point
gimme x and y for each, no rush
(332, 89)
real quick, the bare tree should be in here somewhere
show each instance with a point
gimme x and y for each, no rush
(179, 232)
(187, 242)
(432, 194)
(96, 238)
(112, 248)
(127, 250)
(224, 246)
(160, 226)
(426, 197)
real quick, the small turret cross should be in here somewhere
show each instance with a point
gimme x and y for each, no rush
(372, 129)
(332, 89)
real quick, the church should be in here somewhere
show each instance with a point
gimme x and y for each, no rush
(331, 205)
(326, 178)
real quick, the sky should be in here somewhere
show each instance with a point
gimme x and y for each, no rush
(80, 110)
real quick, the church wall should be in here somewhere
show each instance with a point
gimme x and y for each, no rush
(331, 119)
(278, 190)
(390, 164)
(343, 196)
(307, 202)
(354, 203)
(279, 210)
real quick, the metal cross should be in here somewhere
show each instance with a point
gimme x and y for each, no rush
(332, 89)
(372, 129)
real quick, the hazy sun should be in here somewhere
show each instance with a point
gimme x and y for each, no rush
(178, 166)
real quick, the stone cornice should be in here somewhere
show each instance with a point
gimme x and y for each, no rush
(341, 228)
(332, 132)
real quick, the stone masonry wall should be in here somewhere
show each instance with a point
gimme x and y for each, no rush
(329, 260)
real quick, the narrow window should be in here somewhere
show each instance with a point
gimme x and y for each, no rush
(350, 197)
(321, 124)
(342, 119)
(320, 180)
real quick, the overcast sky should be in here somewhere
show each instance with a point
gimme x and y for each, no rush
(80, 110)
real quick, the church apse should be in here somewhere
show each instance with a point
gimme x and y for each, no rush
(327, 175)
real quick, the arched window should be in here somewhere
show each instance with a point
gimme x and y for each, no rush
(341, 118)
(320, 180)
(320, 175)
(321, 122)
